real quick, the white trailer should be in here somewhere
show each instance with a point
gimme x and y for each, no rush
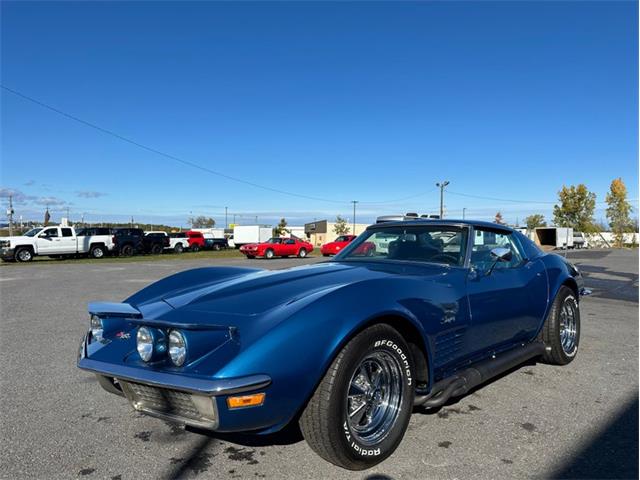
(296, 232)
(245, 234)
(210, 232)
(554, 237)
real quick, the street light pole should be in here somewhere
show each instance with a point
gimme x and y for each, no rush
(226, 222)
(354, 215)
(10, 215)
(442, 185)
(464, 209)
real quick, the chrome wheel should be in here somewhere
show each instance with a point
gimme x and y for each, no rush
(374, 398)
(24, 255)
(568, 325)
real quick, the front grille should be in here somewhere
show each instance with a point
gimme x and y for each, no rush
(192, 409)
(164, 400)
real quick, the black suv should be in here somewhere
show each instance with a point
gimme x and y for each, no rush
(128, 241)
(155, 242)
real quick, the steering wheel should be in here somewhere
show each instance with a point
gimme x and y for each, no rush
(447, 257)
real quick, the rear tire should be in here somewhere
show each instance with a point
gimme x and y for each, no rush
(195, 248)
(216, 247)
(302, 253)
(360, 411)
(178, 248)
(97, 251)
(156, 249)
(23, 255)
(561, 329)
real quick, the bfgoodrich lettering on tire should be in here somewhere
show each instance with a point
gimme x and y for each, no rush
(360, 410)
(561, 330)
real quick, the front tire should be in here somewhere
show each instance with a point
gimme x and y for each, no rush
(126, 251)
(178, 248)
(360, 411)
(561, 330)
(23, 255)
(302, 253)
(268, 254)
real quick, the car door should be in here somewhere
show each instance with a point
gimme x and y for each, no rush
(68, 243)
(48, 241)
(507, 299)
(290, 247)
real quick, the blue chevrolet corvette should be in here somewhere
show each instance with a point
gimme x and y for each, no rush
(347, 347)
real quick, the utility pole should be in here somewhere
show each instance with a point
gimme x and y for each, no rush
(354, 215)
(464, 209)
(10, 215)
(256, 219)
(226, 221)
(442, 185)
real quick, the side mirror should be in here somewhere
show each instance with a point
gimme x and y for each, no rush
(499, 255)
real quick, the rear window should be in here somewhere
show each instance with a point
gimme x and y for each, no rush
(66, 232)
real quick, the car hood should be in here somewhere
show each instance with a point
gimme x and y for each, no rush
(18, 238)
(258, 292)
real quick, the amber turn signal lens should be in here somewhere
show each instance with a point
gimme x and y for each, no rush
(254, 400)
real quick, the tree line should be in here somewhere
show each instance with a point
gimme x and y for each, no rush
(576, 206)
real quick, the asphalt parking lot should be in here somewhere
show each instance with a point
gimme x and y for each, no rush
(579, 421)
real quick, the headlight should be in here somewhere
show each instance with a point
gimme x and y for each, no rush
(177, 348)
(96, 327)
(5, 243)
(144, 343)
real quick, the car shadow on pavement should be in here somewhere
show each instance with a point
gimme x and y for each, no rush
(607, 283)
(611, 453)
(287, 436)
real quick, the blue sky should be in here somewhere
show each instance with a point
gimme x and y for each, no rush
(368, 101)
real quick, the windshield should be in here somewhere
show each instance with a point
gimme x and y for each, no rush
(33, 232)
(274, 240)
(418, 243)
(342, 238)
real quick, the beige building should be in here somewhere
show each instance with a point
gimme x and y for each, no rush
(322, 231)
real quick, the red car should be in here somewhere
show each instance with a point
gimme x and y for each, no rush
(335, 247)
(196, 240)
(332, 248)
(277, 247)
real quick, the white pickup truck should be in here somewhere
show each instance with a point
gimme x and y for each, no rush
(56, 241)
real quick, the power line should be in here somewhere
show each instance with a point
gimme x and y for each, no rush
(497, 199)
(181, 160)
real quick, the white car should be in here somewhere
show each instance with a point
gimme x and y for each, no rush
(56, 241)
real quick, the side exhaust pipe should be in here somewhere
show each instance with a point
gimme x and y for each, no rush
(462, 382)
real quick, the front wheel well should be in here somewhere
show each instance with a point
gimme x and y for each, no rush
(573, 285)
(414, 338)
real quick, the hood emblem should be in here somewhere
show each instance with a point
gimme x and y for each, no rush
(123, 335)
